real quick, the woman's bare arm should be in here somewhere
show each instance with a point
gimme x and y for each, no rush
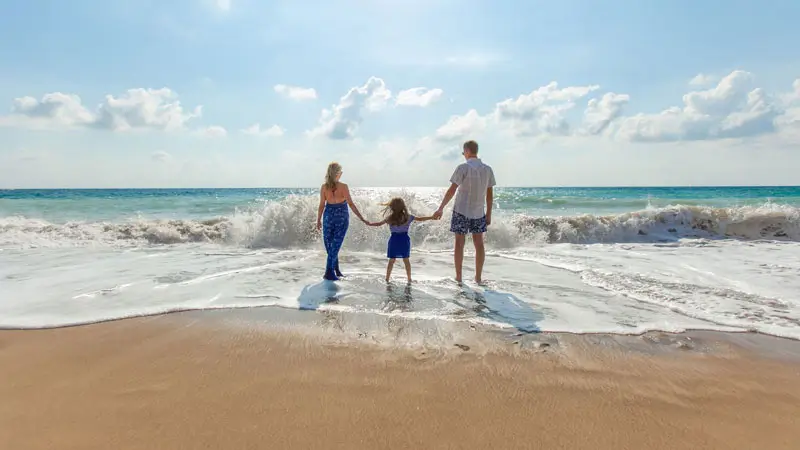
(351, 203)
(321, 206)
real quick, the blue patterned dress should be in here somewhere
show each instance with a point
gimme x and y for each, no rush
(335, 221)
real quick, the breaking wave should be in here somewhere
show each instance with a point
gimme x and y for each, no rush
(290, 223)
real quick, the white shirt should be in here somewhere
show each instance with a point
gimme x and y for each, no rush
(473, 179)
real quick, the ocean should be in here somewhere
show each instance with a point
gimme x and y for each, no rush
(578, 260)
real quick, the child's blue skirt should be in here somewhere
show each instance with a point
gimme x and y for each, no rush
(399, 246)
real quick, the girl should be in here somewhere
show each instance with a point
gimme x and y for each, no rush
(334, 198)
(399, 221)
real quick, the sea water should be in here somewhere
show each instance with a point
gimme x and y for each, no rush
(582, 260)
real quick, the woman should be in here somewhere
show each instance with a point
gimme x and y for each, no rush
(334, 198)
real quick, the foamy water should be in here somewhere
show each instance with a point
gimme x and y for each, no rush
(619, 261)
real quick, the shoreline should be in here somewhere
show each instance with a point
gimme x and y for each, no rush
(281, 320)
(211, 380)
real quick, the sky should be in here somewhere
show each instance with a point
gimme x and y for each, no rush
(260, 93)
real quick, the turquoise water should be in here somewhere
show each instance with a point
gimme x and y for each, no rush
(62, 205)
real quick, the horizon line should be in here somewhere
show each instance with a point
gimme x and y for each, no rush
(412, 187)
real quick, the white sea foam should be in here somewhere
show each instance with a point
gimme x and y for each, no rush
(290, 223)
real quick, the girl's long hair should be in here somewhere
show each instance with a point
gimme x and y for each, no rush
(334, 169)
(396, 212)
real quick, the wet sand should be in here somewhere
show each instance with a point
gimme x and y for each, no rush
(167, 383)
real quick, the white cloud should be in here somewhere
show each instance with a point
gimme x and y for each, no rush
(459, 127)
(579, 120)
(156, 109)
(794, 96)
(702, 80)
(600, 113)
(541, 111)
(55, 109)
(296, 92)
(343, 119)
(790, 120)
(418, 96)
(731, 109)
(214, 131)
(256, 130)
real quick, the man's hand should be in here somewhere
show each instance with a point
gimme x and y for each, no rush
(488, 220)
(438, 214)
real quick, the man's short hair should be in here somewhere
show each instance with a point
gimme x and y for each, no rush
(471, 146)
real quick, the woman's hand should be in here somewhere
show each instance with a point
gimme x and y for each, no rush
(319, 225)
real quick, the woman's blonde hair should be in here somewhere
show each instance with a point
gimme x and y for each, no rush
(396, 212)
(334, 169)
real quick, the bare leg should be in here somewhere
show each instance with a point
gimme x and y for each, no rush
(407, 263)
(480, 255)
(389, 269)
(458, 256)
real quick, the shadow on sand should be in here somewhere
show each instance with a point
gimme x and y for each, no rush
(317, 294)
(502, 307)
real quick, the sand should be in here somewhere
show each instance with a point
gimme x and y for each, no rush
(161, 383)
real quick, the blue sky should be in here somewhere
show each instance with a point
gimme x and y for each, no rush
(680, 92)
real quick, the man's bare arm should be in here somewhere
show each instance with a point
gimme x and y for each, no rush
(447, 197)
(489, 199)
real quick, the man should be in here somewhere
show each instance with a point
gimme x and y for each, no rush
(472, 184)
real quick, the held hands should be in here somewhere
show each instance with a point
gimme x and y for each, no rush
(368, 223)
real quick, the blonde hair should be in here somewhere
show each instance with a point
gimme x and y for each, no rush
(396, 212)
(334, 169)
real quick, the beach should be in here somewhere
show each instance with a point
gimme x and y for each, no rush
(609, 318)
(188, 381)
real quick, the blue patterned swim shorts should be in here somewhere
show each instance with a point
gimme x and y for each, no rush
(461, 224)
